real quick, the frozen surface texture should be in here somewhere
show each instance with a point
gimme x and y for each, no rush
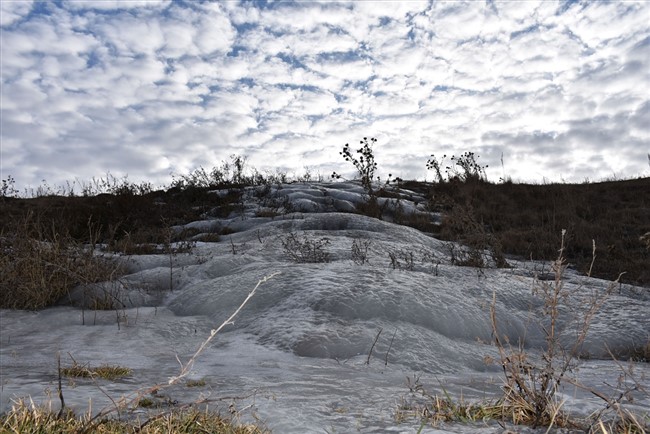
(298, 351)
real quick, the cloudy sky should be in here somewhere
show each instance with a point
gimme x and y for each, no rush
(561, 89)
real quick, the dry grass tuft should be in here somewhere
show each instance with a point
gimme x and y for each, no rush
(436, 409)
(28, 418)
(107, 372)
(196, 383)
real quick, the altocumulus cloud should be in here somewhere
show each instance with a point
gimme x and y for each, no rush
(154, 88)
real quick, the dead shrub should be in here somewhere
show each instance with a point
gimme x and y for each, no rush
(40, 265)
(484, 249)
(532, 383)
(359, 251)
(305, 249)
(402, 260)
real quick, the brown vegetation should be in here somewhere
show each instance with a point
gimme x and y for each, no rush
(527, 220)
(26, 417)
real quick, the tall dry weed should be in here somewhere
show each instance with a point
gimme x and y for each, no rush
(41, 265)
(532, 382)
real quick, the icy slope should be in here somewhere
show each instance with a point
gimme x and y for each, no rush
(302, 342)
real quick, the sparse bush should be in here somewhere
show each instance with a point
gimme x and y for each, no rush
(461, 224)
(305, 250)
(365, 163)
(8, 188)
(435, 164)
(107, 184)
(370, 208)
(465, 256)
(123, 187)
(402, 260)
(230, 173)
(530, 384)
(360, 251)
(429, 258)
(199, 178)
(532, 381)
(366, 167)
(464, 168)
(308, 176)
(238, 163)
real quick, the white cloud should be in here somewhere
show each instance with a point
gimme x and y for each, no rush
(312, 104)
(107, 5)
(153, 87)
(12, 11)
(356, 70)
(601, 23)
(130, 35)
(216, 34)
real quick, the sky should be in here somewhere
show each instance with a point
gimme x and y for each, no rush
(541, 91)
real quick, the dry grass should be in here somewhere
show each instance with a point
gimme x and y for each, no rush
(106, 372)
(435, 409)
(195, 383)
(27, 418)
(520, 219)
(630, 424)
(484, 249)
(41, 264)
(49, 244)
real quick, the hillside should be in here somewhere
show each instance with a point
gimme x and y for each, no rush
(140, 282)
(509, 219)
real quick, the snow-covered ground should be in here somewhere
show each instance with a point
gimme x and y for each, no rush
(298, 351)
